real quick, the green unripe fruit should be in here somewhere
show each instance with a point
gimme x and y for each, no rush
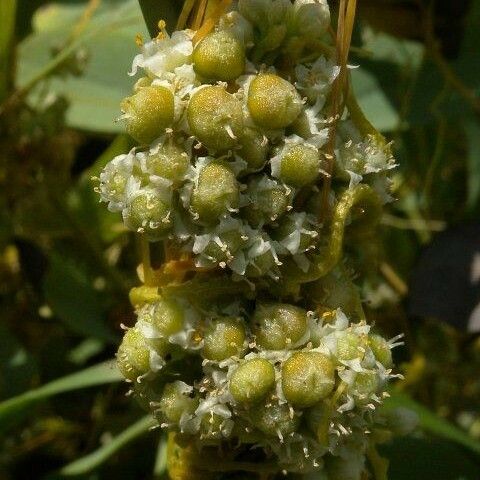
(366, 384)
(269, 200)
(299, 165)
(261, 265)
(148, 113)
(133, 356)
(307, 378)
(216, 192)
(272, 101)
(224, 338)
(381, 350)
(254, 149)
(348, 345)
(278, 326)
(289, 232)
(252, 380)
(215, 117)
(231, 242)
(170, 162)
(219, 56)
(166, 317)
(274, 419)
(175, 401)
(147, 213)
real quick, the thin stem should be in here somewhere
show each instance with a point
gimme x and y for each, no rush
(7, 14)
(148, 276)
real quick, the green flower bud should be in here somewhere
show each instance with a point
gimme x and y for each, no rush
(366, 383)
(278, 326)
(219, 56)
(224, 338)
(268, 201)
(147, 213)
(381, 350)
(175, 400)
(148, 113)
(215, 117)
(142, 295)
(231, 242)
(274, 420)
(254, 149)
(167, 317)
(216, 192)
(261, 265)
(272, 101)
(133, 356)
(170, 162)
(307, 378)
(299, 165)
(348, 344)
(252, 380)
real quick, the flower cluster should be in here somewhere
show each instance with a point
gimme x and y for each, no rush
(235, 133)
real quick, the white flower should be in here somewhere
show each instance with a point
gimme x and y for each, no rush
(314, 80)
(164, 55)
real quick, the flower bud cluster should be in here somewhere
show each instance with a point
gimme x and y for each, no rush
(232, 144)
(303, 388)
(234, 128)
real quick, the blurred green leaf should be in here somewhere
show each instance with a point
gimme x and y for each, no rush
(373, 101)
(70, 293)
(108, 42)
(432, 423)
(426, 459)
(14, 408)
(155, 10)
(98, 457)
(472, 128)
(17, 366)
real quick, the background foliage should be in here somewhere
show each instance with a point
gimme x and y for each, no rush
(66, 264)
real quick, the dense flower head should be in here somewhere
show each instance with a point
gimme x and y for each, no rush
(264, 343)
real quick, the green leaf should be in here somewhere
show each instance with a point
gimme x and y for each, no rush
(70, 293)
(108, 41)
(432, 423)
(155, 10)
(7, 14)
(472, 128)
(13, 409)
(427, 459)
(373, 101)
(98, 457)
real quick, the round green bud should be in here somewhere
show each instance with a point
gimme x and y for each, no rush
(175, 400)
(254, 149)
(260, 265)
(252, 380)
(381, 350)
(295, 233)
(224, 338)
(272, 101)
(348, 344)
(147, 213)
(269, 200)
(219, 56)
(216, 192)
(170, 162)
(366, 384)
(133, 356)
(307, 378)
(299, 165)
(215, 117)
(274, 419)
(148, 113)
(278, 326)
(231, 242)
